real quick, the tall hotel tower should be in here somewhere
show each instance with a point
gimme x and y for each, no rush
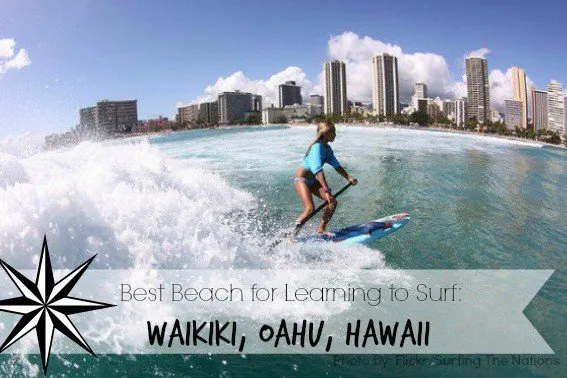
(478, 89)
(335, 88)
(555, 108)
(521, 93)
(385, 89)
(539, 109)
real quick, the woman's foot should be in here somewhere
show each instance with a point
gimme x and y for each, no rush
(326, 233)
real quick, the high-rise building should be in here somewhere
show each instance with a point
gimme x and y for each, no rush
(212, 117)
(318, 103)
(514, 114)
(108, 117)
(520, 94)
(233, 107)
(188, 114)
(420, 93)
(87, 119)
(461, 112)
(539, 109)
(385, 89)
(565, 110)
(478, 89)
(203, 114)
(335, 87)
(317, 100)
(555, 108)
(289, 94)
(209, 113)
(433, 111)
(420, 90)
(449, 109)
(422, 105)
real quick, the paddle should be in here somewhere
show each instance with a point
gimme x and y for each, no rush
(321, 207)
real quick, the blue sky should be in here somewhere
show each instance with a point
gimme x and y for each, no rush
(167, 52)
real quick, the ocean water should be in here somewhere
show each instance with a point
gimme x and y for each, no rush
(218, 198)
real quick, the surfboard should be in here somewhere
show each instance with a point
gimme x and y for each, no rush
(362, 232)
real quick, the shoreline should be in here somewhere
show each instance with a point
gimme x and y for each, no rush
(434, 129)
(152, 134)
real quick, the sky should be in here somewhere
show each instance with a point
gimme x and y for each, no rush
(62, 55)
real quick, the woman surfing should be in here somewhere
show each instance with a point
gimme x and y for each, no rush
(310, 177)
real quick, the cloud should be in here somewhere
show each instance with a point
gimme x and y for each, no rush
(357, 53)
(268, 89)
(10, 61)
(426, 67)
(480, 53)
(7, 48)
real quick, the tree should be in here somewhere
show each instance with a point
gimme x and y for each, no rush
(421, 118)
(471, 124)
(548, 136)
(555, 138)
(254, 119)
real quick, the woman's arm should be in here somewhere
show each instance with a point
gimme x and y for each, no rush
(321, 177)
(344, 173)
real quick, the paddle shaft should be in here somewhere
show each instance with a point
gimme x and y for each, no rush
(318, 209)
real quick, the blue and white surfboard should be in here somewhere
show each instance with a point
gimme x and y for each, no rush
(362, 232)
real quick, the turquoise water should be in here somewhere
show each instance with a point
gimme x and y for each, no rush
(476, 203)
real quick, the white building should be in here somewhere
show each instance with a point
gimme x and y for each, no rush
(317, 100)
(496, 116)
(298, 112)
(291, 113)
(514, 114)
(555, 108)
(420, 92)
(359, 108)
(273, 115)
(461, 112)
(449, 109)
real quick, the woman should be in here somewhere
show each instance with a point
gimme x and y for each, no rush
(310, 178)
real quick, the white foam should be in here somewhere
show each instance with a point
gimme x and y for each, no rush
(126, 202)
(23, 144)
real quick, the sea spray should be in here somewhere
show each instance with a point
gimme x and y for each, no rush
(128, 203)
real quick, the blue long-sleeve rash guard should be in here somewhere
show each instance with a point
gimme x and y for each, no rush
(319, 154)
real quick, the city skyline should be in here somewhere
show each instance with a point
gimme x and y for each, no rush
(139, 61)
(385, 101)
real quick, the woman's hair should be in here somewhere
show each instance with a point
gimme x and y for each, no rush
(323, 128)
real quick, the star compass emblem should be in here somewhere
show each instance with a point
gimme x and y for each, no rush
(46, 305)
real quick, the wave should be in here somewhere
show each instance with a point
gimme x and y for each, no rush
(135, 207)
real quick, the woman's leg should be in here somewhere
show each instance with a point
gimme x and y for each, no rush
(317, 190)
(305, 195)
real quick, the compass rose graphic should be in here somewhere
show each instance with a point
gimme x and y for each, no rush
(46, 304)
